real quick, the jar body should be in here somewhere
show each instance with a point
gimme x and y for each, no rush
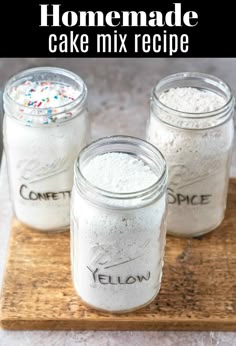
(117, 257)
(117, 251)
(197, 148)
(40, 152)
(40, 169)
(199, 165)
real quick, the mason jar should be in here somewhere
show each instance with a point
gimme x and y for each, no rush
(118, 238)
(45, 126)
(191, 122)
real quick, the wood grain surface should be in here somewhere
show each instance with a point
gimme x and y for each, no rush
(198, 289)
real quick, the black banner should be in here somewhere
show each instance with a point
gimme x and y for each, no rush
(78, 29)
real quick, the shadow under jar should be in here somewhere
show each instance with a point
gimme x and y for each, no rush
(191, 122)
(45, 127)
(118, 223)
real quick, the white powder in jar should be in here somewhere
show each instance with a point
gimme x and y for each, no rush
(192, 100)
(43, 94)
(198, 159)
(119, 172)
(40, 156)
(117, 254)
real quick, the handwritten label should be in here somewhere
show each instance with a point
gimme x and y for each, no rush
(117, 280)
(195, 199)
(28, 195)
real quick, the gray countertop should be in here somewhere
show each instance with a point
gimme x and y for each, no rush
(119, 91)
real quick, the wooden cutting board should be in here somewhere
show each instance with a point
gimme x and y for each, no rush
(198, 290)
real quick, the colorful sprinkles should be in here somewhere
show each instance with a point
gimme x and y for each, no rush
(44, 95)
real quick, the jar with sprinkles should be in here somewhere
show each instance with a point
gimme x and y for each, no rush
(45, 126)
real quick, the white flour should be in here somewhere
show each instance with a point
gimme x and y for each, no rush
(198, 161)
(117, 255)
(43, 94)
(40, 157)
(119, 172)
(192, 100)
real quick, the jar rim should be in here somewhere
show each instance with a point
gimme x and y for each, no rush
(25, 74)
(82, 182)
(194, 75)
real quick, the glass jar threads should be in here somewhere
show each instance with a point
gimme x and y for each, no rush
(118, 223)
(45, 126)
(191, 123)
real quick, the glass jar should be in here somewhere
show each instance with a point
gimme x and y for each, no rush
(197, 147)
(118, 239)
(41, 143)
